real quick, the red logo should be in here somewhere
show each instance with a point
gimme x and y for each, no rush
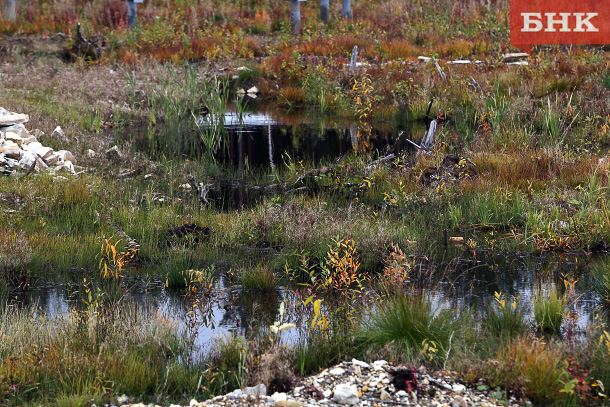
(559, 22)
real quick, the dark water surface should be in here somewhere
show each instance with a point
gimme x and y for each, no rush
(267, 138)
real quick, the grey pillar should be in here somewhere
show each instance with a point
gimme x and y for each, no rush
(10, 14)
(132, 10)
(295, 16)
(347, 9)
(324, 6)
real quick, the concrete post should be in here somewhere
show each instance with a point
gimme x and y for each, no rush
(324, 14)
(9, 11)
(347, 9)
(295, 16)
(132, 10)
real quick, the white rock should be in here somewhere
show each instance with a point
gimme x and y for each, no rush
(279, 397)
(360, 363)
(114, 153)
(28, 140)
(253, 89)
(122, 399)
(357, 370)
(385, 396)
(458, 388)
(52, 159)
(401, 393)
(27, 160)
(33, 146)
(193, 402)
(337, 371)
(16, 128)
(260, 390)
(186, 186)
(14, 137)
(11, 162)
(9, 118)
(59, 133)
(345, 394)
(66, 155)
(40, 164)
(64, 167)
(327, 393)
(90, 153)
(11, 150)
(379, 364)
(43, 152)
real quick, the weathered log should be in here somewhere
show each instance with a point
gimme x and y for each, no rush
(383, 160)
(428, 138)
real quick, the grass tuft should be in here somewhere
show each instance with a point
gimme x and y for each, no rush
(505, 320)
(410, 324)
(549, 309)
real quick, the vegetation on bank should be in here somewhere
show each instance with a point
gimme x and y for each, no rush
(519, 164)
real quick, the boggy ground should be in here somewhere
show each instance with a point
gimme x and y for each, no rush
(518, 165)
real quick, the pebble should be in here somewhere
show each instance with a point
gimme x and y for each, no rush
(458, 388)
(337, 371)
(371, 387)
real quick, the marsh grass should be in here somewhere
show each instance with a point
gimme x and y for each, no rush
(259, 278)
(534, 156)
(601, 280)
(549, 309)
(87, 352)
(411, 325)
(505, 319)
(530, 368)
(229, 355)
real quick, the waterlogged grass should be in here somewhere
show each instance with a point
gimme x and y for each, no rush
(505, 318)
(529, 174)
(549, 309)
(259, 278)
(412, 326)
(97, 352)
(529, 367)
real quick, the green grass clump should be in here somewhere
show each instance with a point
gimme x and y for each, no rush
(505, 320)
(229, 359)
(259, 278)
(601, 281)
(90, 350)
(549, 309)
(409, 324)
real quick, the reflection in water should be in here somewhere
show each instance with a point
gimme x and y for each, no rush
(468, 284)
(264, 139)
